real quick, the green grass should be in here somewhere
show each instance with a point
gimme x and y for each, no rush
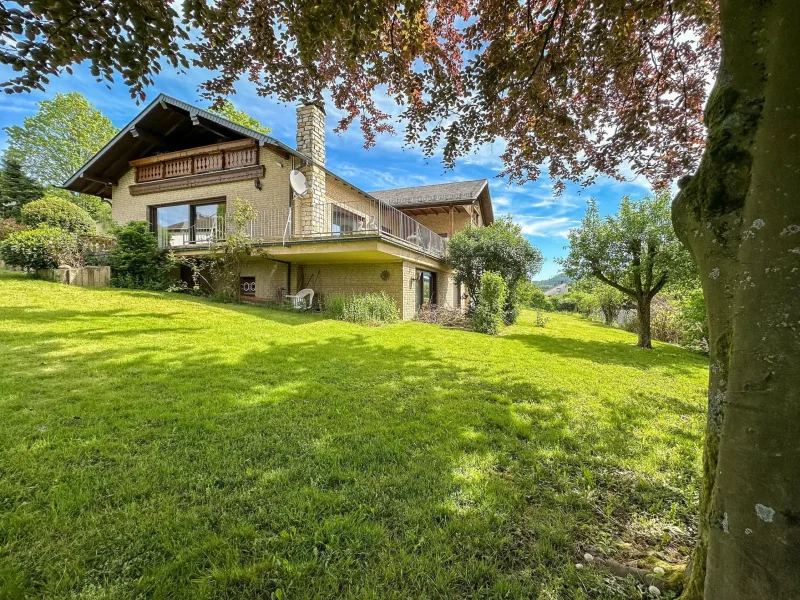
(160, 446)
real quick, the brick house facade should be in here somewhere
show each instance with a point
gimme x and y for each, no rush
(180, 168)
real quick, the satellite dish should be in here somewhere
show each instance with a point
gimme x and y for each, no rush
(298, 182)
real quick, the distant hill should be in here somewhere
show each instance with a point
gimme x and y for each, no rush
(551, 282)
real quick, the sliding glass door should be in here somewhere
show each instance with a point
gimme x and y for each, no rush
(186, 224)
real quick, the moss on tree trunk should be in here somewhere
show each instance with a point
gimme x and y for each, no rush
(740, 216)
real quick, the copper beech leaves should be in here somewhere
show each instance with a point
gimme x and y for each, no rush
(573, 86)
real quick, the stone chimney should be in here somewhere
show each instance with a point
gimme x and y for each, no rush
(310, 210)
(311, 131)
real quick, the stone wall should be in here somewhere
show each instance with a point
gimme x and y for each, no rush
(79, 276)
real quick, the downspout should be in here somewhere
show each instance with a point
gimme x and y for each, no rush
(288, 272)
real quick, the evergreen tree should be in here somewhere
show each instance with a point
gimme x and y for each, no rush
(16, 189)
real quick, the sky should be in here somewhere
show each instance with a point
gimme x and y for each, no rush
(545, 219)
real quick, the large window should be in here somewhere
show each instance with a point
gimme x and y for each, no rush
(186, 224)
(344, 221)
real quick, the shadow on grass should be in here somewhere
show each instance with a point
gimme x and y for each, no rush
(336, 467)
(610, 352)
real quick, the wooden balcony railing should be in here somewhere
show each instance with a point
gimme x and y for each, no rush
(205, 159)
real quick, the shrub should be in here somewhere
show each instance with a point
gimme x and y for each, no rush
(136, 260)
(586, 303)
(538, 300)
(444, 316)
(9, 226)
(564, 303)
(364, 309)
(491, 299)
(42, 248)
(541, 320)
(60, 213)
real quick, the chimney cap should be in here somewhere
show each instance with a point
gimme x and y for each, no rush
(320, 104)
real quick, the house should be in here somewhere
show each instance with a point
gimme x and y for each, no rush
(561, 288)
(180, 168)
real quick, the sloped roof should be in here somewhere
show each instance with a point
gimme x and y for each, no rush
(165, 124)
(459, 192)
(169, 124)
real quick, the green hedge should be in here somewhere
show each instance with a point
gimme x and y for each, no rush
(364, 309)
(491, 298)
(42, 248)
(60, 213)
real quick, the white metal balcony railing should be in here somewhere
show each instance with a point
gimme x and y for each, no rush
(314, 220)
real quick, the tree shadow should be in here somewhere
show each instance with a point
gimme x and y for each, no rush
(663, 356)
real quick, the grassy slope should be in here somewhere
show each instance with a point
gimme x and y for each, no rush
(155, 445)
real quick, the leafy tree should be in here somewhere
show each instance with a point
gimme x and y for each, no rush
(635, 252)
(97, 207)
(55, 212)
(16, 189)
(228, 111)
(582, 87)
(500, 248)
(58, 140)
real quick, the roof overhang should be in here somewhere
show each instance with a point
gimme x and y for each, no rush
(164, 125)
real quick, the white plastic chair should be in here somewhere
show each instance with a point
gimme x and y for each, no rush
(298, 299)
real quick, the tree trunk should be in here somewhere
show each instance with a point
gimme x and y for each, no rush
(740, 216)
(643, 314)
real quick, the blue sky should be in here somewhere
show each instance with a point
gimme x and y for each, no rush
(545, 219)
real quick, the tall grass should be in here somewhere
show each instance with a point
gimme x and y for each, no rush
(364, 309)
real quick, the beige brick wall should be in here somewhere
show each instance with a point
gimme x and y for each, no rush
(273, 196)
(346, 279)
(270, 277)
(409, 290)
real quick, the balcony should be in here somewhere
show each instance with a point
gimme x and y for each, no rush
(229, 161)
(308, 221)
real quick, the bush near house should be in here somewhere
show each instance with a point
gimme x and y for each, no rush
(60, 213)
(491, 300)
(44, 247)
(136, 260)
(9, 226)
(364, 309)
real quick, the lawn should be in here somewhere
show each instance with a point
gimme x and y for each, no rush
(162, 446)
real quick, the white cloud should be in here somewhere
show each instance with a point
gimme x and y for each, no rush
(547, 227)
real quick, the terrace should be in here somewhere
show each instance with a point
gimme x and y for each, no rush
(189, 226)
